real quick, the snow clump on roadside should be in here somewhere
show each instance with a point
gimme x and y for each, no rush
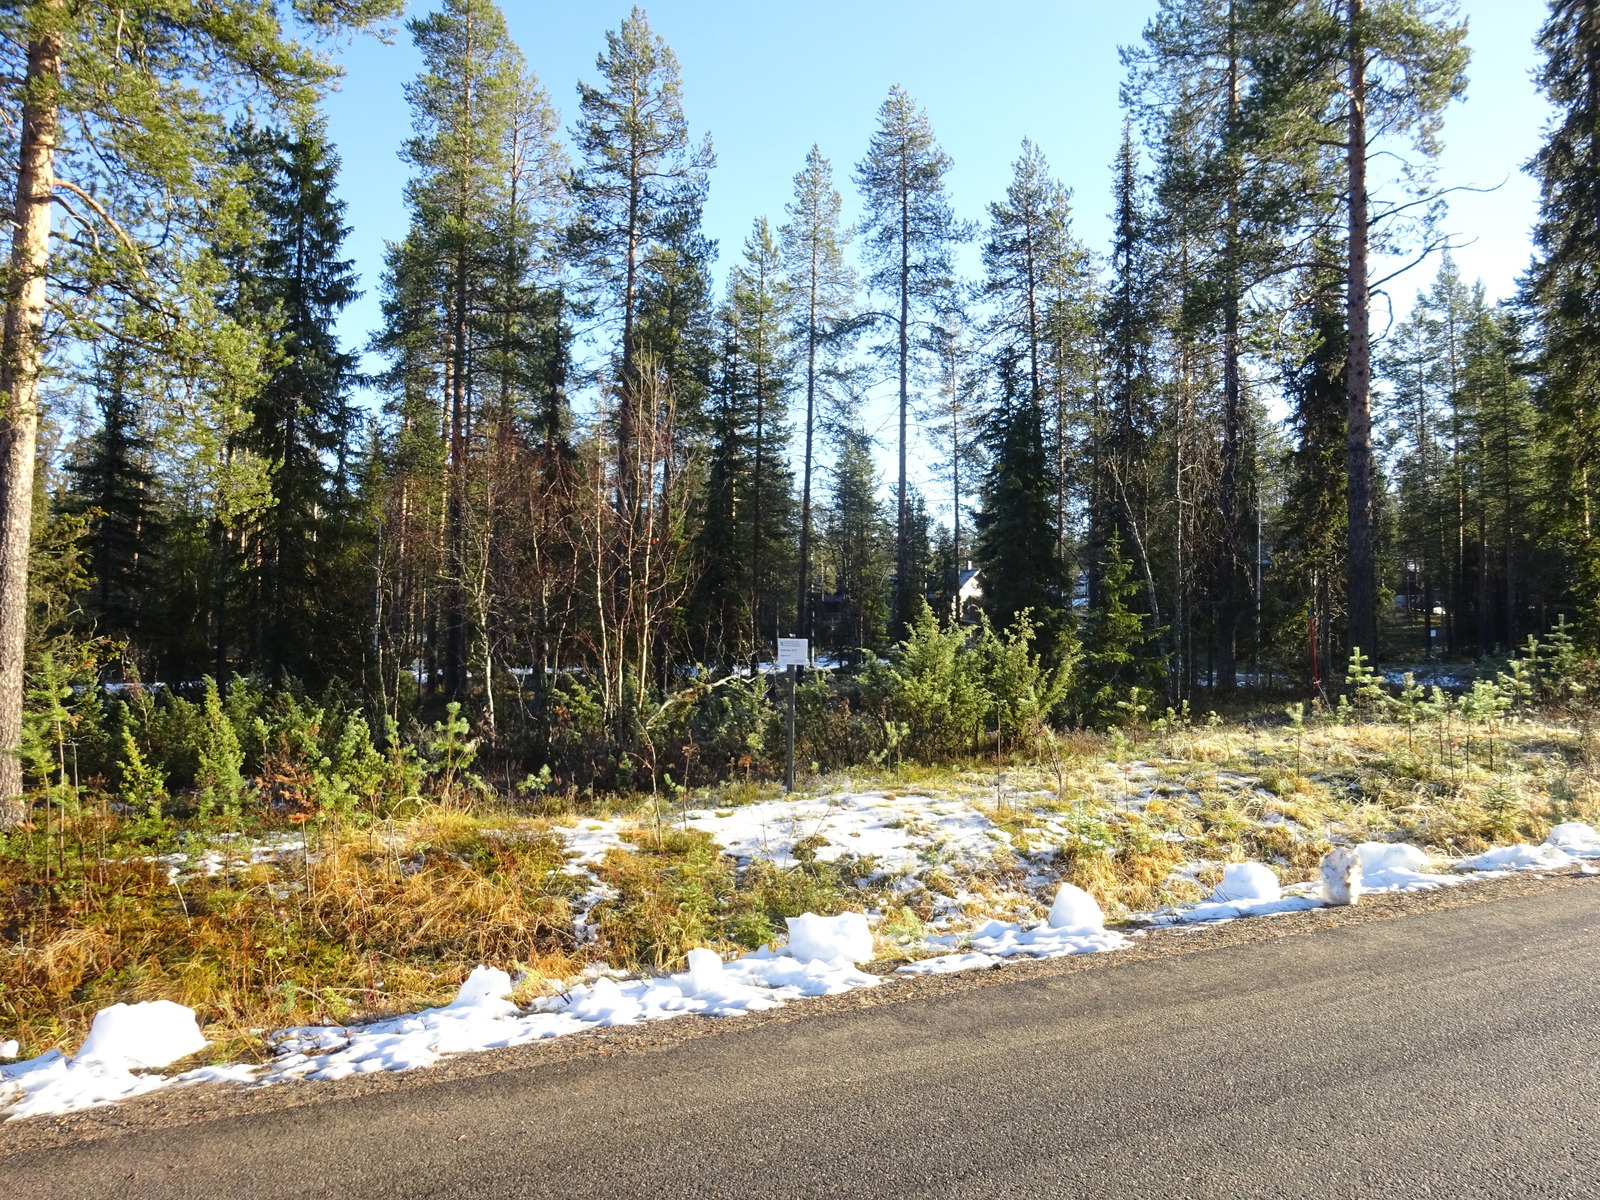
(844, 938)
(1341, 871)
(1519, 858)
(1576, 838)
(1076, 925)
(1399, 867)
(124, 1038)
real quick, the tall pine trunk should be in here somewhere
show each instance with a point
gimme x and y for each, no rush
(902, 545)
(802, 611)
(19, 381)
(1228, 592)
(1363, 564)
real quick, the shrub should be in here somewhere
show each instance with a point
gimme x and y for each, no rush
(934, 686)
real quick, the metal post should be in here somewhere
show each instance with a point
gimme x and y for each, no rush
(788, 774)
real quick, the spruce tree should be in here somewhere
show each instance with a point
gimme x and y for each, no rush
(301, 419)
(1563, 290)
(111, 483)
(1308, 564)
(909, 231)
(1118, 663)
(1124, 425)
(746, 537)
(1016, 542)
(858, 546)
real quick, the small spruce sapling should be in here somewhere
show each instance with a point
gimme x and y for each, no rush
(1366, 685)
(220, 775)
(144, 785)
(452, 752)
(1410, 706)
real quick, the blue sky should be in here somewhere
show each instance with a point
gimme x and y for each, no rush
(769, 78)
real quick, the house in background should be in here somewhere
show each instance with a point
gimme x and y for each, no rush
(968, 594)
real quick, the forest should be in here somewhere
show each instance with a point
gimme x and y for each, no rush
(606, 463)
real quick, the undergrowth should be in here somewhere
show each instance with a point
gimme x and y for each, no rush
(371, 906)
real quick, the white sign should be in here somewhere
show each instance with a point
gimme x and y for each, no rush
(793, 652)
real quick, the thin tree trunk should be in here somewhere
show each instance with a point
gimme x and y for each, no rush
(902, 548)
(802, 611)
(19, 380)
(1363, 564)
(1228, 598)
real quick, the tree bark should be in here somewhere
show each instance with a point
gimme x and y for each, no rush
(1363, 566)
(802, 599)
(20, 357)
(1228, 592)
(902, 543)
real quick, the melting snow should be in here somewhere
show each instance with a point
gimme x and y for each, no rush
(1575, 838)
(1075, 926)
(1519, 858)
(127, 1037)
(900, 833)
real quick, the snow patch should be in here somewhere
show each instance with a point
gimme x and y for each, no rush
(1519, 858)
(949, 964)
(1076, 911)
(478, 1018)
(844, 938)
(903, 833)
(1249, 881)
(124, 1038)
(1576, 838)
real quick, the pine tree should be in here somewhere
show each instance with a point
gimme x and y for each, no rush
(637, 193)
(1029, 257)
(909, 231)
(1563, 289)
(1388, 68)
(1038, 279)
(951, 417)
(1234, 184)
(462, 105)
(82, 76)
(823, 286)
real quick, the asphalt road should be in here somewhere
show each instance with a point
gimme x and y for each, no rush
(1446, 1054)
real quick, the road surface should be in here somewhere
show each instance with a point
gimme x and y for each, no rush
(1452, 1053)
